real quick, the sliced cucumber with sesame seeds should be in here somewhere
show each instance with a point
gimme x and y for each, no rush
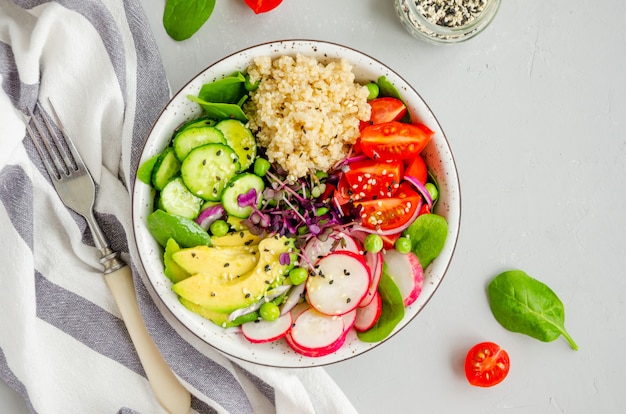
(194, 137)
(239, 138)
(207, 169)
(241, 185)
(166, 167)
(177, 199)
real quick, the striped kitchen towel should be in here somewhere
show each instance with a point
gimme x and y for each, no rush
(63, 346)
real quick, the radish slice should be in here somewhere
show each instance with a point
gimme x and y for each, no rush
(266, 331)
(367, 316)
(315, 248)
(293, 298)
(348, 320)
(315, 334)
(338, 283)
(375, 263)
(406, 271)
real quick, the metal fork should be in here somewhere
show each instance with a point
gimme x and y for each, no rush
(77, 190)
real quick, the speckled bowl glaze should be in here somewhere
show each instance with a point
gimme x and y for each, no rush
(437, 154)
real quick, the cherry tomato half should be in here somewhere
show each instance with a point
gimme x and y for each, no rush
(386, 109)
(486, 364)
(262, 6)
(388, 214)
(416, 167)
(394, 140)
(373, 179)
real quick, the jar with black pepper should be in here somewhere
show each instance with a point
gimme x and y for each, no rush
(446, 21)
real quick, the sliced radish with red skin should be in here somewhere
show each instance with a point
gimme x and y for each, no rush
(348, 320)
(314, 333)
(338, 283)
(375, 264)
(315, 248)
(406, 271)
(293, 298)
(367, 316)
(314, 352)
(266, 331)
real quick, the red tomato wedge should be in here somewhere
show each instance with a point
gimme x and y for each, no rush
(386, 109)
(393, 213)
(416, 167)
(373, 179)
(262, 6)
(394, 140)
(486, 364)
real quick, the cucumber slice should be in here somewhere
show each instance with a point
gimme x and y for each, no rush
(240, 139)
(242, 184)
(197, 122)
(207, 169)
(165, 168)
(177, 199)
(193, 137)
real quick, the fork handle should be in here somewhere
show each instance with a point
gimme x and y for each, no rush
(167, 389)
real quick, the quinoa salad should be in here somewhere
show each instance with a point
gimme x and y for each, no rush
(306, 114)
(278, 207)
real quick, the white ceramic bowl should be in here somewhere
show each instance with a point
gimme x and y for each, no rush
(437, 154)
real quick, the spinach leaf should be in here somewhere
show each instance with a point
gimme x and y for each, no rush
(220, 110)
(227, 90)
(392, 312)
(525, 305)
(428, 235)
(183, 18)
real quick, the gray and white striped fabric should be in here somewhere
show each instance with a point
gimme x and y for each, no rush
(63, 346)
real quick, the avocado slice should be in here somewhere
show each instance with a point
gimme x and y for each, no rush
(224, 262)
(225, 296)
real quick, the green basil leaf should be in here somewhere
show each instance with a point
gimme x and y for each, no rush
(183, 18)
(525, 305)
(428, 235)
(392, 312)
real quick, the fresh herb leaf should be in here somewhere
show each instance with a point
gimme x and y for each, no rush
(220, 110)
(428, 235)
(525, 305)
(227, 90)
(183, 18)
(392, 312)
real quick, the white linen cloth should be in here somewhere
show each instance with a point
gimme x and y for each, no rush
(63, 346)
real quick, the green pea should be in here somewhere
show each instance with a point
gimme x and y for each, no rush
(269, 311)
(373, 243)
(250, 87)
(219, 228)
(373, 89)
(261, 166)
(432, 189)
(298, 275)
(403, 245)
(321, 211)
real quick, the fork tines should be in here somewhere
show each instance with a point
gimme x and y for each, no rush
(59, 155)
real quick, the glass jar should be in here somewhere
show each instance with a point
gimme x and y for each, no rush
(446, 21)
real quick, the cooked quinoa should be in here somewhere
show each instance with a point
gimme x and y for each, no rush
(306, 114)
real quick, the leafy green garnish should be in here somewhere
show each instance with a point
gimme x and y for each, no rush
(392, 312)
(525, 305)
(183, 18)
(227, 90)
(428, 235)
(220, 110)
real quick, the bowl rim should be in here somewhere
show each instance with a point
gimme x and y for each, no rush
(157, 298)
